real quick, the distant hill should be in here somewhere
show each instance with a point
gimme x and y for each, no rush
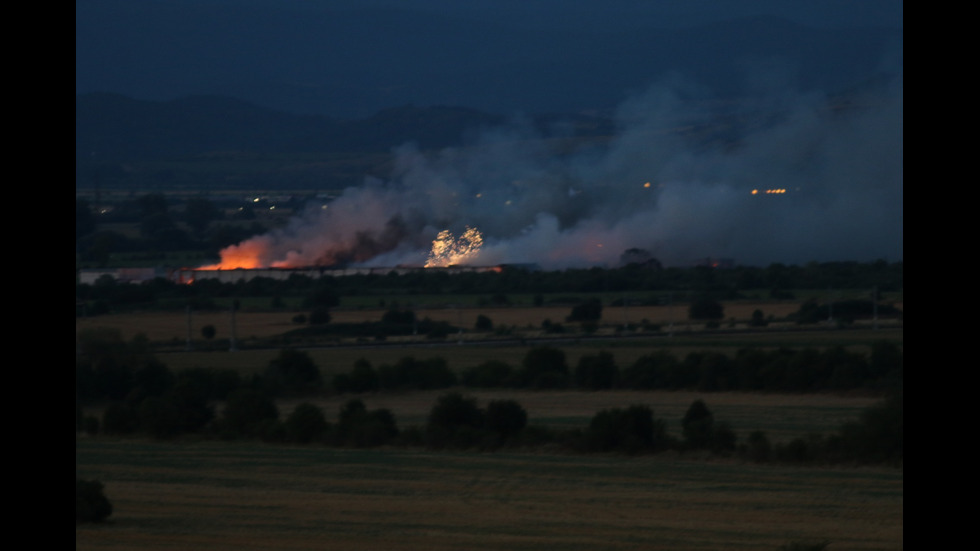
(211, 142)
(112, 128)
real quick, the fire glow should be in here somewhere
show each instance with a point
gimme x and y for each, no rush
(447, 250)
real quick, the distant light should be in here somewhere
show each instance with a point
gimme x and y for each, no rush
(646, 185)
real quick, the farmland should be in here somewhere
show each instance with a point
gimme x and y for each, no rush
(195, 493)
(222, 496)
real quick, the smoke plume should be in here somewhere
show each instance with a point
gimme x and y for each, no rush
(675, 179)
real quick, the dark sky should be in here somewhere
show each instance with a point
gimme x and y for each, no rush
(351, 58)
(642, 62)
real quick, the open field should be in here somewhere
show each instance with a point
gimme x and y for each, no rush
(239, 495)
(469, 349)
(173, 326)
(782, 416)
(233, 496)
(333, 360)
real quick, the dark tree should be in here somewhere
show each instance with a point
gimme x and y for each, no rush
(455, 421)
(320, 315)
(120, 418)
(246, 409)
(483, 323)
(305, 424)
(294, 371)
(706, 308)
(363, 377)
(362, 428)
(596, 372)
(505, 418)
(698, 425)
(757, 447)
(590, 310)
(630, 430)
(91, 504)
(489, 374)
(159, 417)
(544, 367)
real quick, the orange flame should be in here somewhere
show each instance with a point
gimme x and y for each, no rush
(245, 255)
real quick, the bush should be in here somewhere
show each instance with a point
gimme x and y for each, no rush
(294, 371)
(305, 424)
(697, 425)
(91, 505)
(412, 374)
(596, 372)
(590, 310)
(706, 308)
(159, 417)
(360, 428)
(544, 367)
(505, 418)
(320, 316)
(245, 410)
(656, 370)
(454, 421)
(630, 430)
(483, 323)
(489, 374)
(757, 447)
(119, 418)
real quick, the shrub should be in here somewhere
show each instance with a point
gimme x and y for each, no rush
(489, 374)
(294, 371)
(483, 323)
(505, 418)
(91, 505)
(706, 308)
(320, 316)
(409, 373)
(159, 417)
(630, 430)
(596, 372)
(245, 410)
(305, 424)
(358, 427)
(655, 370)
(544, 367)
(454, 421)
(590, 310)
(697, 425)
(119, 418)
(757, 447)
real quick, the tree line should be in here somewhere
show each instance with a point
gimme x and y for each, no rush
(631, 284)
(144, 397)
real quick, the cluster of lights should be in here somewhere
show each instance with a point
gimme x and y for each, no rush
(775, 191)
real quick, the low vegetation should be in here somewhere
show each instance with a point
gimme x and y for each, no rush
(144, 397)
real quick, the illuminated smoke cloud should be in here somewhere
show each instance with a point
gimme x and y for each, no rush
(673, 181)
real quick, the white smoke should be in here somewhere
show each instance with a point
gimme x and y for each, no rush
(675, 179)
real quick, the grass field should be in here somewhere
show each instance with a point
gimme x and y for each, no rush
(234, 496)
(173, 326)
(220, 496)
(782, 416)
